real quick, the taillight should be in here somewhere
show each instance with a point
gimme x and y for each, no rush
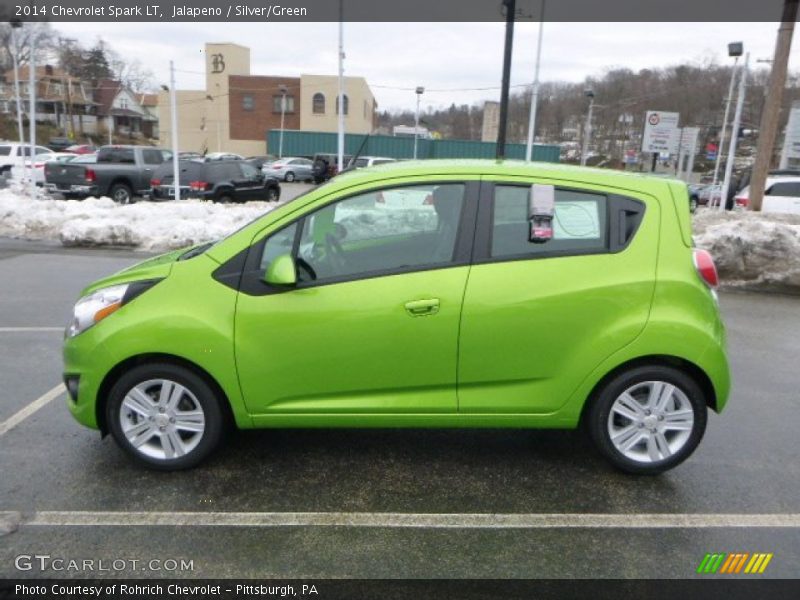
(742, 201)
(155, 182)
(39, 165)
(90, 176)
(199, 186)
(428, 200)
(706, 268)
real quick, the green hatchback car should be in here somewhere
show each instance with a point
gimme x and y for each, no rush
(418, 294)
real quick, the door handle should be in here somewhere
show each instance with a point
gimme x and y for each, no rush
(421, 308)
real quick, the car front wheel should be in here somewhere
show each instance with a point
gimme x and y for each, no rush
(165, 416)
(289, 177)
(648, 420)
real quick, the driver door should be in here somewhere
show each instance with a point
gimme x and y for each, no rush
(372, 325)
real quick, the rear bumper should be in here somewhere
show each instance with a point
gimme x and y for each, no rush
(78, 190)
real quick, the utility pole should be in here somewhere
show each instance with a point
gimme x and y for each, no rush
(769, 117)
(535, 90)
(340, 135)
(511, 8)
(173, 107)
(737, 119)
(419, 91)
(587, 128)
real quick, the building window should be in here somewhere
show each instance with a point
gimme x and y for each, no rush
(346, 104)
(276, 104)
(248, 102)
(318, 104)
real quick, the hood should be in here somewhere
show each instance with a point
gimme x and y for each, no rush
(157, 267)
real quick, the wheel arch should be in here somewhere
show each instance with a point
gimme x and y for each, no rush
(662, 360)
(152, 358)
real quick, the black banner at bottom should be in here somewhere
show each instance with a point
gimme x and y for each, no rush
(390, 589)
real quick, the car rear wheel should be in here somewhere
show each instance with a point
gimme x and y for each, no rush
(648, 419)
(121, 193)
(693, 204)
(272, 195)
(165, 416)
(224, 199)
(289, 177)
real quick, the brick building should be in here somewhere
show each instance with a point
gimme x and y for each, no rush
(236, 109)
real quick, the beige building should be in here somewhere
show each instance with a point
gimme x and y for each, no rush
(319, 100)
(236, 109)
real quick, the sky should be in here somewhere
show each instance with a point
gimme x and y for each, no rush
(450, 59)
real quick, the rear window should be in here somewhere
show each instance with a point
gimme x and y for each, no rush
(579, 224)
(5, 150)
(116, 155)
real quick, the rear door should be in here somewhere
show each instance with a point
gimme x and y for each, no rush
(538, 318)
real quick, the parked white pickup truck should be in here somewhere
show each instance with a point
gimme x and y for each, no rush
(781, 195)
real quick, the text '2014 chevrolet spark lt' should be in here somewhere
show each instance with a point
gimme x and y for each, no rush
(419, 294)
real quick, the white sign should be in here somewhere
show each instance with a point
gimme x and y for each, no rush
(660, 132)
(687, 150)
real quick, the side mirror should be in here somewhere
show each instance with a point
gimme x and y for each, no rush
(281, 272)
(541, 208)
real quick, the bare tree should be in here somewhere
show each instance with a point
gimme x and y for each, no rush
(41, 33)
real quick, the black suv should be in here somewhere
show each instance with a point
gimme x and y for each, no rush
(220, 181)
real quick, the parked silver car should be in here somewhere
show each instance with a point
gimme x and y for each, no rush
(290, 169)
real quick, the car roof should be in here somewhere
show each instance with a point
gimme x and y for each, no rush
(487, 167)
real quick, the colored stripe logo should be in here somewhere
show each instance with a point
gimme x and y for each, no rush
(734, 563)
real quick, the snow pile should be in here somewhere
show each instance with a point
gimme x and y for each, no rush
(752, 250)
(101, 222)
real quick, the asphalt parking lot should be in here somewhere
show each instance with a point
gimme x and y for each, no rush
(388, 503)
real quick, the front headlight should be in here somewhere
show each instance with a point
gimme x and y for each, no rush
(95, 307)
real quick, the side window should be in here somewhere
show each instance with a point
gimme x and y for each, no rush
(391, 230)
(250, 172)
(277, 244)
(152, 157)
(579, 224)
(784, 188)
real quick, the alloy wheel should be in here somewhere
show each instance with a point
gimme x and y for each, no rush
(650, 421)
(162, 419)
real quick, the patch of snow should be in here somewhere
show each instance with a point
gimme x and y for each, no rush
(752, 250)
(152, 226)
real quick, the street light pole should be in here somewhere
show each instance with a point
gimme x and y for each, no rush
(734, 49)
(15, 50)
(419, 91)
(32, 110)
(737, 117)
(173, 107)
(587, 129)
(535, 90)
(340, 133)
(511, 8)
(283, 89)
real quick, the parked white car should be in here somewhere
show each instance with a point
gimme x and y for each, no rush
(20, 173)
(13, 153)
(369, 161)
(781, 195)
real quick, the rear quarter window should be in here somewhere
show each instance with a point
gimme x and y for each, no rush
(5, 150)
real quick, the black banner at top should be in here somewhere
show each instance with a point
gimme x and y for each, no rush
(389, 10)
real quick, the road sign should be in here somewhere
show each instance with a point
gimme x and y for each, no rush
(660, 132)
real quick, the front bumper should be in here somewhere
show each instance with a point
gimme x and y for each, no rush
(86, 364)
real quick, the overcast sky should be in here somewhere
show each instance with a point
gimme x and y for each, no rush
(439, 56)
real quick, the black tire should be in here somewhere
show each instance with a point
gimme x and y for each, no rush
(273, 195)
(121, 193)
(693, 204)
(597, 417)
(289, 177)
(215, 416)
(224, 198)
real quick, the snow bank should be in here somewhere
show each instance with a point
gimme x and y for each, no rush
(100, 222)
(752, 250)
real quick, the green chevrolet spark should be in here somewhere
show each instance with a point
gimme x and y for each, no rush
(418, 294)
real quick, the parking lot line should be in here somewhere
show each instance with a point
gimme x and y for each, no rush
(31, 408)
(413, 520)
(28, 329)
